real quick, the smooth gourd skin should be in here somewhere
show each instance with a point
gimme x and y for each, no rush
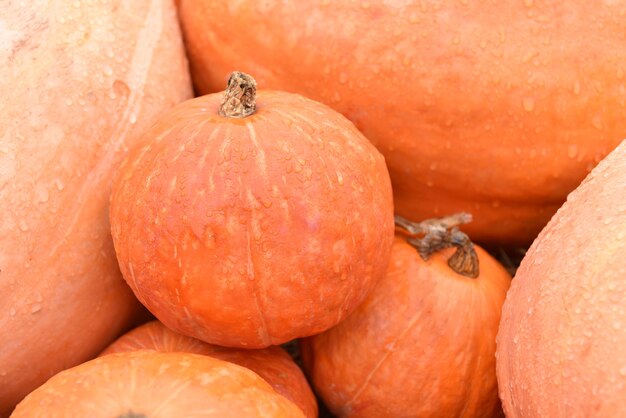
(78, 81)
(156, 385)
(252, 232)
(273, 363)
(561, 344)
(421, 345)
(495, 109)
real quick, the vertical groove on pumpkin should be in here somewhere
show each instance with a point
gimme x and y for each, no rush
(439, 233)
(239, 99)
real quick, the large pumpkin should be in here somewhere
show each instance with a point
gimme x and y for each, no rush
(273, 363)
(146, 383)
(562, 340)
(78, 80)
(250, 228)
(421, 345)
(499, 111)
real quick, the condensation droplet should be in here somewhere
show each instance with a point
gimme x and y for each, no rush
(59, 184)
(577, 87)
(23, 225)
(572, 151)
(12, 312)
(343, 78)
(529, 3)
(596, 121)
(529, 104)
(36, 308)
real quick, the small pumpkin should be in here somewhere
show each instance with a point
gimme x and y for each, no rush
(561, 344)
(273, 363)
(423, 342)
(248, 220)
(78, 82)
(150, 384)
(490, 110)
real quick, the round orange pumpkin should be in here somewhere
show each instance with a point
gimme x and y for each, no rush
(251, 228)
(421, 345)
(273, 363)
(78, 81)
(157, 385)
(496, 111)
(561, 344)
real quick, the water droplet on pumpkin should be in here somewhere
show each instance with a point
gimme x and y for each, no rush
(133, 118)
(12, 312)
(577, 87)
(464, 2)
(23, 225)
(622, 371)
(120, 88)
(59, 184)
(515, 339)
(36, 308)
(68, 101)
(596, 121)
(572, 151)
(529, 3)
(529, 104)
(343, 78)
(41, 194)
(107, 70)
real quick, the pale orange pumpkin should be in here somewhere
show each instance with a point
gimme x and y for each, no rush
(150, 384)
(273, 363)
(78, 82)
(562, 339)
(496, 110)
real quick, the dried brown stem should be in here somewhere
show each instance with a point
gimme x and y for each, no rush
(239, 99)
(436, 234)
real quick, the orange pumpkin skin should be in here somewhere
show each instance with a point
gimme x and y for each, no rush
(561, 340)
(78, 81)
(273, 363)
(252, 232)
(494, 113)
(421, 345)
(156, 385)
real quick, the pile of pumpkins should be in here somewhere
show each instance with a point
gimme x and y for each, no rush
(330, 184)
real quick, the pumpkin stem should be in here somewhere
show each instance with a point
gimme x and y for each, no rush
(239, 99)
(439, 233)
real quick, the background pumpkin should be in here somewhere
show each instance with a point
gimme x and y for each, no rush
(498, 112)
(421, 345)
(78, 81)
(253, 231)
(561, 341)
(156, 385)
(273, 363)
